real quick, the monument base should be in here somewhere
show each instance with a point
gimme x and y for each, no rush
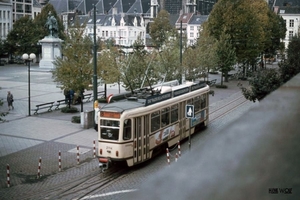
(51, 49)
(46, 64)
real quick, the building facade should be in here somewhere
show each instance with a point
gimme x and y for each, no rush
(5, 18)
(21, 8)
(290, 12)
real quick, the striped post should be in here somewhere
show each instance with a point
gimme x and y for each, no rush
(168, 156)
(59, 161)
(39, 168)
(8, 175)
(77, 155)
(94, 149)
(176, 157)
(179, 152)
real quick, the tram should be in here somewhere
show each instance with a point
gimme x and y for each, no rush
(133, 127)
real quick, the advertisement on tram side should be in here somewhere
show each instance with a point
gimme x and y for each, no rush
(164, 134)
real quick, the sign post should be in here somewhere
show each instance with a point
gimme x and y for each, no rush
(189, 113)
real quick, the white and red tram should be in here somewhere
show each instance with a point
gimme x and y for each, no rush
(134, 128)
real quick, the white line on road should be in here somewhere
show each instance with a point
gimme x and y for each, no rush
(108, 194)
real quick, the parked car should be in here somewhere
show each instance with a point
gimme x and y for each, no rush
(19, 61)
(3, 62)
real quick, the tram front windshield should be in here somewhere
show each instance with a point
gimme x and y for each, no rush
(109, 129)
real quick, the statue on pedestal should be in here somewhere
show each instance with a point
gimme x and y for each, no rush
(51, 44)
(52, 25)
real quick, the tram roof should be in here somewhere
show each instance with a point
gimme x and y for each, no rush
(126, 101)
(120, 106)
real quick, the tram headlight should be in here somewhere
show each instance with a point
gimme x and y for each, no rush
(100, 151)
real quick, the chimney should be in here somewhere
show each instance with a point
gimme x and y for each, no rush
(114, 10)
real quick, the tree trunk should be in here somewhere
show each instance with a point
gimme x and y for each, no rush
(226, 76)
(221, 78)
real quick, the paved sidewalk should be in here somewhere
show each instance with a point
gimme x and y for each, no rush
(24, 139)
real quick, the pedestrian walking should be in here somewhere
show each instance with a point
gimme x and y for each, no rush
(10, 100)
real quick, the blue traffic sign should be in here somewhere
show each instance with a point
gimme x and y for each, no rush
(189, 111)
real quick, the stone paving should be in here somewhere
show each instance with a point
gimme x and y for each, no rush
(24, 139)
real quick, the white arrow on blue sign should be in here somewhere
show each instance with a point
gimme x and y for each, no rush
(189, 111)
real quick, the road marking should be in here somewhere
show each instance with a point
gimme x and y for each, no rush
(109, 194)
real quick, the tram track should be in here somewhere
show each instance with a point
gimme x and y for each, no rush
(227, 108)
(81, 186)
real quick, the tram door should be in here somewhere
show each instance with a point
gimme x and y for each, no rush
(141, 139)
(182, 120)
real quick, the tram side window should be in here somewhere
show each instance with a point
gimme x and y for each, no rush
(190, 102)
(127, 129)
(165, 117)
(203, 101)
(197, 103)
(155, 121)
(174, 113)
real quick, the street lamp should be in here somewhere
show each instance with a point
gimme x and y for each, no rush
(95, 60)
(27, 60)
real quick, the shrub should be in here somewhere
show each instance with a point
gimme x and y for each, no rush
(263, 83)
(221, 86)
(69, 110)
(76, 119)
(102, 100)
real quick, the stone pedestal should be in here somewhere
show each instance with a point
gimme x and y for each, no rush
(51, 48)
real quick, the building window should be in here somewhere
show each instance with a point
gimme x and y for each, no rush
(291, 34)
(192, 35)
(106, 34)
(191, 28)
(291, 23)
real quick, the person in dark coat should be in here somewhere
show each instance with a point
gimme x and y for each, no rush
(10, 100)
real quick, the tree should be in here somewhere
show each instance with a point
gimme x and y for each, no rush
(225, 54)
(3, 47)
(268, 80)
(109, 64)
(26, 33)
(40, 21)
(135, 67)
(2, 114)
(247, 24)
(275, 31)
(291, 66)
(168, 64)
(206, 49)
(22, 38)
(161, 28)
(75, 70)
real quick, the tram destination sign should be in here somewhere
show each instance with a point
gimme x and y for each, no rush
(181, 91)
(198, 86)
(158, 98)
